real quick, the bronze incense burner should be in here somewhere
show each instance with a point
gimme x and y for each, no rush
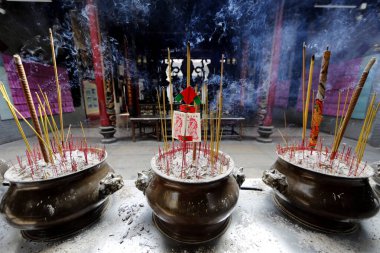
(191, 212)
(327, 203)
(376, 177)
(51, 209)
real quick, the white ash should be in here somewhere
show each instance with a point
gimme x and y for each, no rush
(320, 162)
(51, 210)
(59, 167)
(138, 232)
(192, 170)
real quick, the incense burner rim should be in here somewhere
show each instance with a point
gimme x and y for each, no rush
(52, 179)
(231, 166)
(370, 168)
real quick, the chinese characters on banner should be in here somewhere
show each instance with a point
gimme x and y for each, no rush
(187, 126)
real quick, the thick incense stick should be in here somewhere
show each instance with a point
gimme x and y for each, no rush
(303, 92)
(22, 133)
(306, 109)
(318, 104)
(351, 107)
(59, 98)
(29, 101)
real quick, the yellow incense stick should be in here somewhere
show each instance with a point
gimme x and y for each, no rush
(367, 132)
(26, 122)
(22, 133)
(188, 65)
(84, 136)
(306, 111)
(344, 109)
(171, 93)
(59, 98)
(45, 114)
(68, 134)
(220, 106)
(159, 110)
(366, 128)
(164, 119)
(337, 114)
(303, 91)
(45, 131)
(365, 123)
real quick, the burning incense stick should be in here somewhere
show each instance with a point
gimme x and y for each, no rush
(303, 90)
(22, 133)
(306, 108)
(59, 98)
(29, 101)
(318, 105)
(351, 107)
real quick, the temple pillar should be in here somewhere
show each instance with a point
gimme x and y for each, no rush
(106, 129)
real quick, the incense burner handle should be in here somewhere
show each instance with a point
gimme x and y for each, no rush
(143, 179)
(3, 168)
(276, 180)
(239, 176)
(110, 184)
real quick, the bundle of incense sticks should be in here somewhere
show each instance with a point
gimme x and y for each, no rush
(366, 128)
(44, 125)
(351, 107)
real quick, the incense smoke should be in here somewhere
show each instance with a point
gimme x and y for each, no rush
(240, 29)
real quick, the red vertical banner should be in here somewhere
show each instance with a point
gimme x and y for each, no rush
(97, 59)
(275, 64)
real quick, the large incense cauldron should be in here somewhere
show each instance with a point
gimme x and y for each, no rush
(328, 203)
(376, 177)
(51, 209)
(191, 211)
